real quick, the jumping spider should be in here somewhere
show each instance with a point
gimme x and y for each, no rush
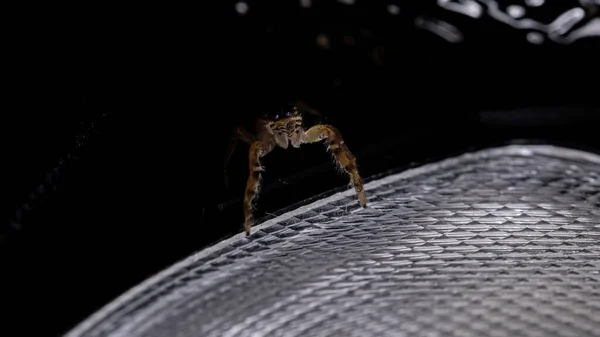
(281, 129)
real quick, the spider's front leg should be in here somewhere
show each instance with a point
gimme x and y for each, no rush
(341, 153)
(258, 149)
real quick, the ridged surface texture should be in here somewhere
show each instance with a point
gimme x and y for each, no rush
(499, 242)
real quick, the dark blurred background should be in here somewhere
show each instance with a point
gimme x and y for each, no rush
(115, 140)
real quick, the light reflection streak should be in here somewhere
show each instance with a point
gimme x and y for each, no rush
(441, 28)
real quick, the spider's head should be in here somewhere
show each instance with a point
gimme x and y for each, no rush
(285, 124)
(281, 113)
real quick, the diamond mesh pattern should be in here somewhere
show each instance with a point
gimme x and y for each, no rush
(502, 242)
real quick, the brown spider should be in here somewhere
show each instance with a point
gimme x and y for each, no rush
(281, 130)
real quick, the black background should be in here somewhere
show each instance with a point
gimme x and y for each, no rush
(87, 217)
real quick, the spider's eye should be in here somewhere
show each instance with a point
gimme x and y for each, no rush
(276, 117)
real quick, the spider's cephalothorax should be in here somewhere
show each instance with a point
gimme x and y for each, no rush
(282, 128)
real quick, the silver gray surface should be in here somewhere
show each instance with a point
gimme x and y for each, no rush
(502, 242)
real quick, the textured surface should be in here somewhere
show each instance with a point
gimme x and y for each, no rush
(502, 242)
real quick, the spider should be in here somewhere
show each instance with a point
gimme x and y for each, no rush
(282, 129)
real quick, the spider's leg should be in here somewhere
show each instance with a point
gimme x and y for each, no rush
(344, 158)
(257, 150)
(238, 134)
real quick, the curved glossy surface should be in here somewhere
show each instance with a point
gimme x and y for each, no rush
(500, 242)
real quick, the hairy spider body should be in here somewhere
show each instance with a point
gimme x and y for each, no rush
(283, 129)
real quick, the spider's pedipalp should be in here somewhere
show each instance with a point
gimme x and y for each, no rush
(295, 131)
(280, 133)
